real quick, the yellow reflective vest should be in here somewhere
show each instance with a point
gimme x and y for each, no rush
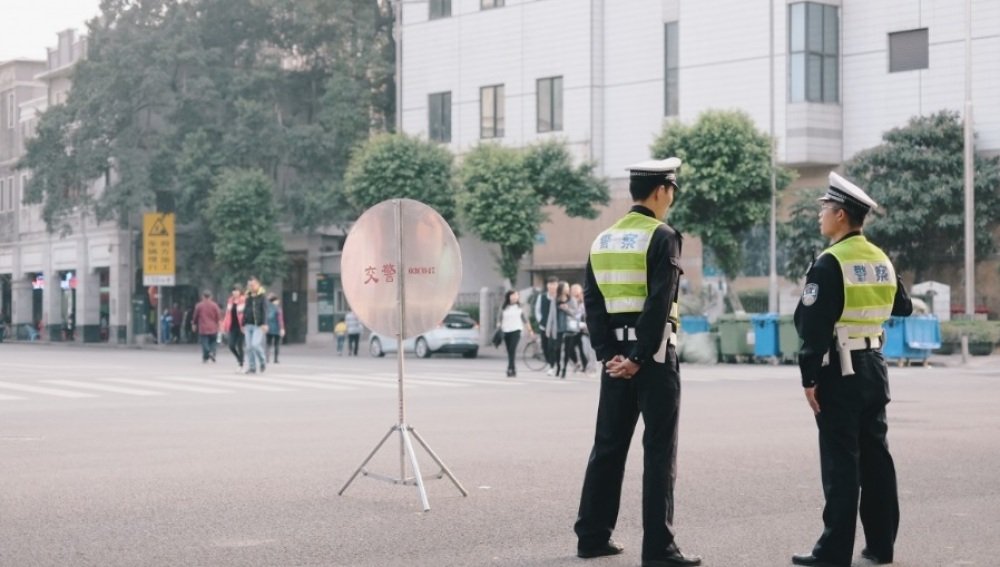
(869, 286)
(618, 260)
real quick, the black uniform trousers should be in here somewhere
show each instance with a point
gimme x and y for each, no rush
(855, 460)
(654, 392)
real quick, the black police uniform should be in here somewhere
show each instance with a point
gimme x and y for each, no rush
(654, 391)
(854, 454)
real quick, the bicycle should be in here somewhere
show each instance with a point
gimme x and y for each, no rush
(533, 355)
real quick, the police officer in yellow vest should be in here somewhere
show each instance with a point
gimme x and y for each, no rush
(851, 289)
(631, 304)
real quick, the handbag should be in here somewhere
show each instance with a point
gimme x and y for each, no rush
(497, 337)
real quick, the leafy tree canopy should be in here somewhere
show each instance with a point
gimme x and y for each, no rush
(175, 91)
(393, 166)
(246, 239)
(725, 180)
(916, 175)
(800, 237)
(505, 189)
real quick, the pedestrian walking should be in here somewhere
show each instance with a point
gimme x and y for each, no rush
(255, 324)
(205, 322)
(582, 341)
(232, 325)
(166, 324)
(850, 291)
(632, 314)
(566, 328)
(544, 308)
(176, 320)
(354, 330)
(275, 327)
(512, 321)
(340, 332)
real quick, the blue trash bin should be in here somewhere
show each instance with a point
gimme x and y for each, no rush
(692, 324)
(765, 329)
(909, 339)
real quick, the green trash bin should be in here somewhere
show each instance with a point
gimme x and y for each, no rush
(788, 339)
(734, 330)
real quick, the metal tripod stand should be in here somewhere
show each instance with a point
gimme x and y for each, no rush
(405, 431)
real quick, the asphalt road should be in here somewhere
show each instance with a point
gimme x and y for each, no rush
(112, 457)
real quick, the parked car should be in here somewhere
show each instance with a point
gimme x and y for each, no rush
(458, 333)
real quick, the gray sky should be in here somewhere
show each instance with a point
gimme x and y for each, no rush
(29, 26)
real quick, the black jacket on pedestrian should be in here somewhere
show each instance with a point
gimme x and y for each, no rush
(255, 308)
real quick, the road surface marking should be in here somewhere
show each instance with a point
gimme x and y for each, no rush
(351, 383)
(166, 386)
(103, 388)
(301, 383)
(45, 391)
(238, 383)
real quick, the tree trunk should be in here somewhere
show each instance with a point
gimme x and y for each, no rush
(734, 298)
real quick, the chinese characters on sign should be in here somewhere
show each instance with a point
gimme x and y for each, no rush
(389, 272)
(158, 265)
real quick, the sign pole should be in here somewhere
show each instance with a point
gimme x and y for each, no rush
(406, 450)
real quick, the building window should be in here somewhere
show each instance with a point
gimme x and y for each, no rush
(440, 9)
(439, 117)
(10, 193)
(10, 110)
(549, 104)
(908, 50)
(487, 4)
(813, 46)
(671, 61)
(491, 112)
(3, 196)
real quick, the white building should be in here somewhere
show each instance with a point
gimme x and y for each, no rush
(72, 288)
(605, 76)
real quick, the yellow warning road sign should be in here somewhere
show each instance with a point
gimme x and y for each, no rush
(158, 246)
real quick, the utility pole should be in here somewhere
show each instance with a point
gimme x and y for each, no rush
(772, 295)
(970, 211)
(397, 36)
(970, 214)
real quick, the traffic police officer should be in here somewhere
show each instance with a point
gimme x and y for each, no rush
(851, 289)
(631, 304)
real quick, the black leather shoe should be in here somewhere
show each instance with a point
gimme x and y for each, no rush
(610, 547)
(810, 559)
(674, 558)
(874, 558)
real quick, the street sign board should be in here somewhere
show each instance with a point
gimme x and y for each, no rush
(429, 267)
(158, 245)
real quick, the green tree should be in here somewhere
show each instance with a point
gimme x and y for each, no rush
(725, 181)
(175, 91)
(395, 166)
(554, 178)
(504, 191)
(916, 176)
(498, 203)
(242, 214)
(799, 237)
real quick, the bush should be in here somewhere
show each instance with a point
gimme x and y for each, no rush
(978, 331)
(753, 300)
(471, 309)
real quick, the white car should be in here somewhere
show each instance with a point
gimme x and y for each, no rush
(458, 333)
